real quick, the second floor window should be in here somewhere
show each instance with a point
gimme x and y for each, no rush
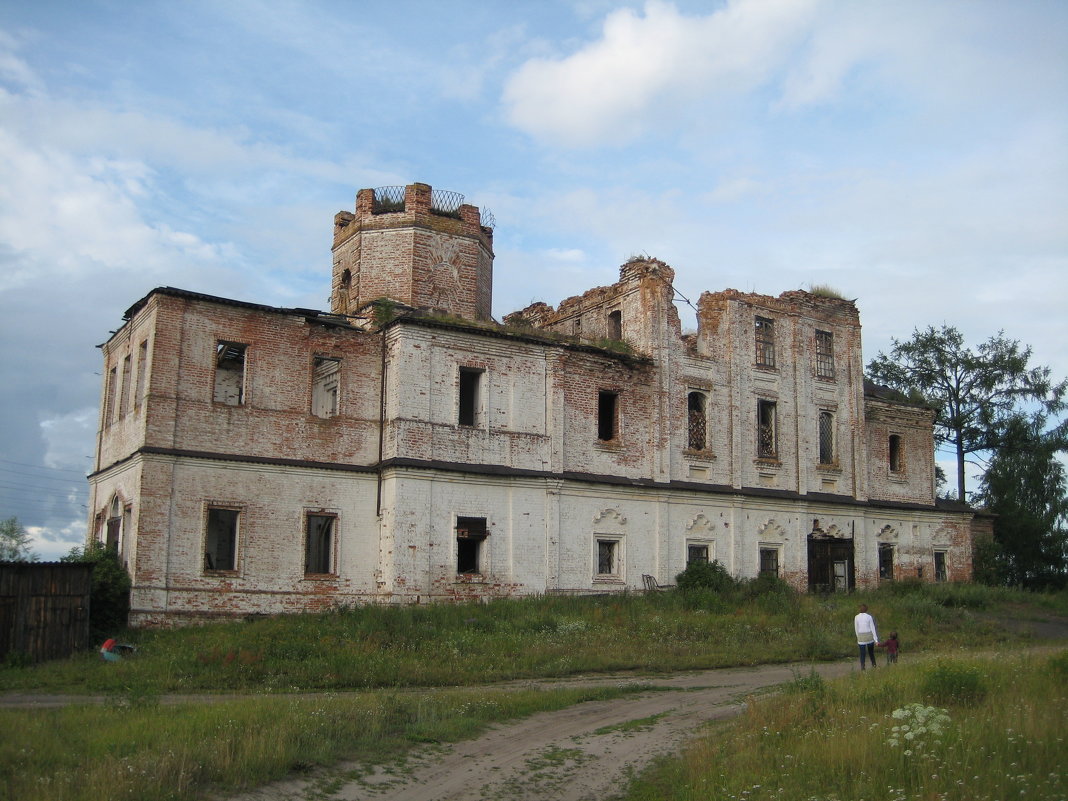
(764, 329)
(826, 435)
(470, 401)
(825, 354)
(325, 376)
(697, 419)
(767, 439)
(230, 373)
(607, 415)
(894, 454)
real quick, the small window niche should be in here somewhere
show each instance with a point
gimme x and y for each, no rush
(220, 539)
(326, 375)
(607, 415)
(319, 544)
(230, 373)
(470, 545)
(469, 402)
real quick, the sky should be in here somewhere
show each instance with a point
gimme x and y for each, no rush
(911, 154)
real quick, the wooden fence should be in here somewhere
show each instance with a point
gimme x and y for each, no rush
(44, 609)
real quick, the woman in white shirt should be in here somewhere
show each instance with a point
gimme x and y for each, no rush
(864, 626)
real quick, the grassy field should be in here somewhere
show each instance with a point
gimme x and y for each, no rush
(135, 747)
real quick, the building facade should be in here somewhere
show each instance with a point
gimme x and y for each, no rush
(405, 448)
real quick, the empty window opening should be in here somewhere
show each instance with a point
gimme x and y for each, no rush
(470, 539)
(894, 448)
(230, 373)
(886, 560)
(325, 378)
(344, 291)
(826, 435)
(607, 415)
(109, 401)
(697, 554)
(769, 562)
(607, 557)
(940, 566)
(142, 363)
(698, 421)
(825, 354)
(220, 541)
(470, 396)
(127, 389)
(319, 545)
(767, 443)
(114, 525)
(615, 325)
(765, 341)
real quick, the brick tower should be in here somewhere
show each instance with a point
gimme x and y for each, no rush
(416, 245)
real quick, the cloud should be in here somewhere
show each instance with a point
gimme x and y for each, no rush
(645, 66)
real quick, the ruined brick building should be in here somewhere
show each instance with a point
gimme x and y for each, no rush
(403, 447)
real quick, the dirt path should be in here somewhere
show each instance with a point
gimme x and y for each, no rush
(582, 753)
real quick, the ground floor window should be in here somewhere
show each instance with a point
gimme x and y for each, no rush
(470, 539)
(886, 560)
(220, 539)
(940, 566)
(319, 544)
(769, 561)
(698, 553)
(609, 562)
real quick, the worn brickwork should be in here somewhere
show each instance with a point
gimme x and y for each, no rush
(572, 449)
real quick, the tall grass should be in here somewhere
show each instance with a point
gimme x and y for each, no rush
(469, 644)
(147, 752)
(907, 732)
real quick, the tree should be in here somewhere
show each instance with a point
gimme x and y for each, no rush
(1026, 487)
(975, 394)
(15, 542)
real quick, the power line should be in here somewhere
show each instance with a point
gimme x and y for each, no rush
(43, 467)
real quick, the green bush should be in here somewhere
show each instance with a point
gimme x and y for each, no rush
(953, 683)
(706, 576)
(1058, 665)
(109, 599)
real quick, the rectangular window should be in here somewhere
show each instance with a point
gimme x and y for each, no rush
(607, 415)
(127, 390)
(765, 342)
(470, 401)
(696, 404)
(697, 553)
(142, 365)
(325, 378)
(607, 557)
(941, 573)
(894, 453)
(615, 325)
(319, 544)
(109, 401)
(826, 435)
(470, 537)
(230, 373)
(825, 354)
(886, 560)
(220, 540)
(769, 562)
(767, 438)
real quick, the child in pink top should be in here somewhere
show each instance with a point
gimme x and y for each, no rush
(891, 646)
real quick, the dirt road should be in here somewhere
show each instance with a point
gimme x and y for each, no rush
(583, 753)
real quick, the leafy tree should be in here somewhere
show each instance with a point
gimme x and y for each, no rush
(1026, 487)
(15, 542)
(706, 576)
(976, 393)
(109, 599)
